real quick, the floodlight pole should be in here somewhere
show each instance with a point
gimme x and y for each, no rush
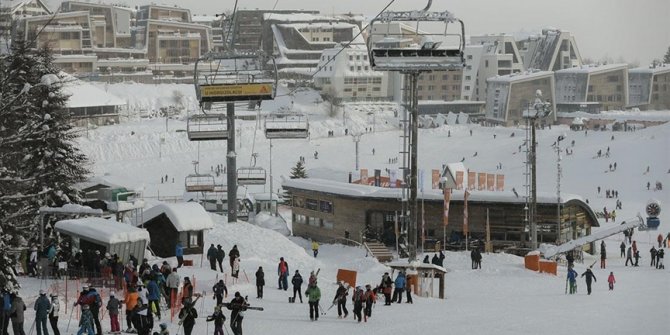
(413, 78)
(558, 187)
(231, 163)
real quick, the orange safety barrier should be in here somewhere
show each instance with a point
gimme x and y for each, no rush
(547, 266)
(532, 262)
(412, 282)
(188, 262)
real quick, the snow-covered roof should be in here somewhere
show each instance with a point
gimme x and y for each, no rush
(187, 216)
(521, 76)
(308, 17)
(663, 68)
(71, 209)
(364, 191)
(84, 94)
(590, 69)
(620, 115)
(102, 230)
(401, 264)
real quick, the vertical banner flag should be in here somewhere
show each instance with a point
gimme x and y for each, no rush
(500, 182)
(481, 185)
(364, 176)
(459, 180)
(471, 180)
(420, 176)
(447, 198)
(392, 178)
(465, 212)
(378, 177)
(490, 181)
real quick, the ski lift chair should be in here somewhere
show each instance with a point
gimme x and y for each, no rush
(199, 183)
(251, 176)
(286, 126)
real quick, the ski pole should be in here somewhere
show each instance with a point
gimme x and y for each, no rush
(32, 327)
(70, 320)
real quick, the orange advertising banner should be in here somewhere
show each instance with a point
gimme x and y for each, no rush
(459, 180)
(481, 183)
(447, 199)
(490, 181)
(500, 182)
(364, 176)
(436, 179)
(472, 176)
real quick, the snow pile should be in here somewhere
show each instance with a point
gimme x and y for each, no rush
(187, 216)
(102, 230)
(275, 223)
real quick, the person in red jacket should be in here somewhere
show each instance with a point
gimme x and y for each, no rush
(611, 281)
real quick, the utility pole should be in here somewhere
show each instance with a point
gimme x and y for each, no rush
(558, 188)
(231, 163)
(356, 138)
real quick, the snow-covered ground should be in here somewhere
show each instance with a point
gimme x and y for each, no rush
(502, 298)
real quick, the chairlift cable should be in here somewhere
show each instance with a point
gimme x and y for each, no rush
(344, 47)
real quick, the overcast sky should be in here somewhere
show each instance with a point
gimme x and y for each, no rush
(635, 30)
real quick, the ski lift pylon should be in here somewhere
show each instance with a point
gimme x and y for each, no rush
(405, 48)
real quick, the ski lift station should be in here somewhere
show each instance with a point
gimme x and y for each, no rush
(107, 236)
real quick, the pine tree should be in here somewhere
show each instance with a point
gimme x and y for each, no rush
(39, 161)
(666, 58)
(298, 171)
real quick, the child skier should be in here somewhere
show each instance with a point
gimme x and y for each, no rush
(218, 319)
(572, 279)
(86, 321)
(113, 306)
(611, 281)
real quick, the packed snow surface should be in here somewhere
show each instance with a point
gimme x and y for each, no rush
(501, 298)
(102, 230)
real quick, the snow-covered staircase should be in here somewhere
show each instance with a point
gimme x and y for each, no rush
(379, 251)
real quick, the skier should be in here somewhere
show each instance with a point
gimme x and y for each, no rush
(86, 321)
(572, 280)
(260, 282)
(589, 276)
(629, 256)
(611, 280)
(42, 306)
(358, 300)
(187, 290)
(232, 254)
(634, 247)
(659, 259)
(237, 306)
(187, 317)
(236, 268)
(218, 319)
(603, 255)
(478, 259)
(370, 299)
(660, 240)
(622, 246)
(220, 255)
(211, 256)
(653, 255)
(172, 287)
(179, 253)
(131, 300)
(220, 290)
(399, 287)
(297, 286)
(113, 306)
(53, 313)
(314, 294)
(637, 257)
(341, 300)
(154, 295)
(282, 273)
(386, 286)
(315, 247)
(16, 314)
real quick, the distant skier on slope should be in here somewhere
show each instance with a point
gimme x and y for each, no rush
(572, 280)
(589, 276)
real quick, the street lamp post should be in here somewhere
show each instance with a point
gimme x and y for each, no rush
(558, 186)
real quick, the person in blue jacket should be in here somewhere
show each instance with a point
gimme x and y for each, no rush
(572, 279)
(399, 287)
(154, 296)
(179, 252)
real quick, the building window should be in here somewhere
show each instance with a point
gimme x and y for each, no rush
(351, 68)
(445, 77)
(312, 204)
(316, 222)
(351, 57)
(469, 56)
(468, 78)
(444, 87)
(347, 89)
(367, 68)
(358, 57)
(331, 68)
(298, 202)
(431, 87)
(358, 68)
(192, 239)
(328, 224)
(467, 88)
(301, 219)
(469, 67)
(486, 63)
(420, 87)
(326, 206)
(365, 57)
(362, 89)
(376, 89)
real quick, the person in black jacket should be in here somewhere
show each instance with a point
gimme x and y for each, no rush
(297, 284)
(260, 282)
(341, 299)
(218, 319)
(220, 290)
(211, 256)
(220, 255)
(187, 317)
(589, 276)
(237, 306)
